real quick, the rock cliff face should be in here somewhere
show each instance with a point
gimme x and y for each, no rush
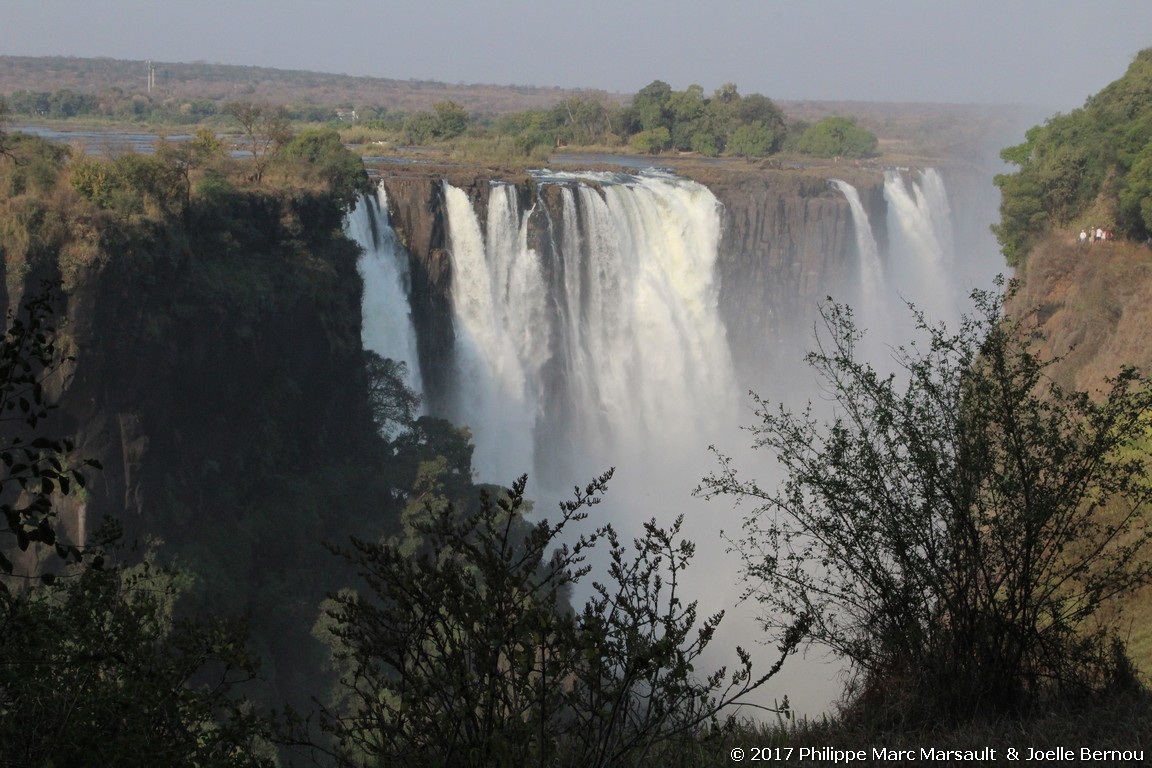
(206, 360)
(416, 209)
(219, 379)
(787, 240)
(1092, 307)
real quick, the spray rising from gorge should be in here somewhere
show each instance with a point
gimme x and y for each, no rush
(589, 331)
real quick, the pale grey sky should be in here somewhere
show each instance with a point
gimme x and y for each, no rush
(1049, 53)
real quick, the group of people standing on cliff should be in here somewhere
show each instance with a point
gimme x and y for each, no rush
(1091, 235)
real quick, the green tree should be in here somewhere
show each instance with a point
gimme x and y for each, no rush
(756, 108)
(724, 107)
(651, 142)
(394, 405)
(954, 531)
(266, 128)
(651, 103)
(94, 670)
(795, 129)
(464, 650)
(451, 119)
(1135, 199)
(530, 129)
(420, 128)
(837, 137)
(727, 94)
(751, 141)
(180, 162)
(65, 103)
(1074, 162)
(688, 110)
(134, 184)
(318, 155)
(583, 120)
(32, 164)
(706, 144)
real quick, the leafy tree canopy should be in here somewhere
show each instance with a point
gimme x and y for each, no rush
(751, 141)
(660, 118)
(837, 137)
(318, 154)
(94, 670)
(451, 119)
(1065, 167)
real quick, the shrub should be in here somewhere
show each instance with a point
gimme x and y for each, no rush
(464, 650)
(954, 531)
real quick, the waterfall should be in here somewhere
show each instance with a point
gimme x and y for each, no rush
(873, 293)
(588, 335)
(601, 342)
(497, 296)
(622, 356)
(386, 321)
(920, 233)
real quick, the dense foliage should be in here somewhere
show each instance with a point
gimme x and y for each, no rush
(837, 137)
(955, 530)
(95, 670)
(120, 104)
(1091, 167)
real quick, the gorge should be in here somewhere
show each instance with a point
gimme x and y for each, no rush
(580, 320)
(302, 406)
(571, 320)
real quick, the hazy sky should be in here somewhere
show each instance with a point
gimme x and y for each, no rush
(1051, 53)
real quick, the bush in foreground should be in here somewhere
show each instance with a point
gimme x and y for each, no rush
(955, 531)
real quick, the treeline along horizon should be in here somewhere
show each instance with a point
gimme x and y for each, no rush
(656, 119)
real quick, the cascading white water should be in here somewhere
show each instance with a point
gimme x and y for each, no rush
(873, 293)
(652, 325)
(940, 211)
(386, 326)
(640, 352)
(920, 237)
(629, 324)
(497, 304)
(606, 348)
(606, 351)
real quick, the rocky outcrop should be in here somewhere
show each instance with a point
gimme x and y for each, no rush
(1091, 306)
(416, 210)
(206, 360)
(220, 381)
(788, 242)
